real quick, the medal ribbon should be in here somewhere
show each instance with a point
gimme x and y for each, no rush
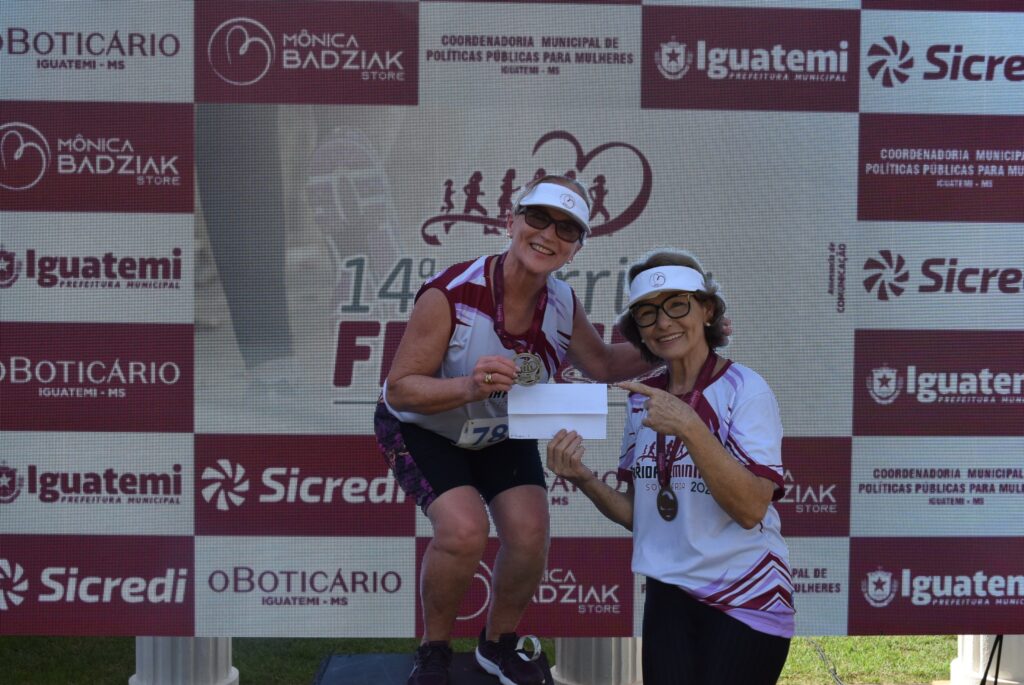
(507, 339)
(692, 398)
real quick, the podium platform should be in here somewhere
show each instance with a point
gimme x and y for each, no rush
(393, 669)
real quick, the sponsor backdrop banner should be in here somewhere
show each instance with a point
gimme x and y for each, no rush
(214, 218)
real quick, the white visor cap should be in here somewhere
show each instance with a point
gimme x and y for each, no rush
(558, 196)
(662, 279)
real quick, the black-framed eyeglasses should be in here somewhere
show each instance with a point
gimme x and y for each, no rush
(646, 314)
(565, 229)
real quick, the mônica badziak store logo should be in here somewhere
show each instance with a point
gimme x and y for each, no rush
(25, 156)
(307, 52)
(96, 157)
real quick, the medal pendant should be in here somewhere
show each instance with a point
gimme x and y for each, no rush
(668, 504)
(529, 368)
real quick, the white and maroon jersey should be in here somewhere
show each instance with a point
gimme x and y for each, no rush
(744, 573)
(467, 286)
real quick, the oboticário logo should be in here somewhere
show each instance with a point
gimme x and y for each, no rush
(227, 481)
(891, 60)
(886, 274)
(241, 51)
(12, 584)
(24, 156)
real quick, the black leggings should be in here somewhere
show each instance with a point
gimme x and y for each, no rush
(688, 643)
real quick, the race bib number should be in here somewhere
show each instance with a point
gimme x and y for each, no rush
(480, 433)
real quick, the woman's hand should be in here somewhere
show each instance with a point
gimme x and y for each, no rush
(666, 413)
(565, 457)
(491, 374)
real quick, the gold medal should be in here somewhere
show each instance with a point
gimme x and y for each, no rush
(529, 368)
(668, 504)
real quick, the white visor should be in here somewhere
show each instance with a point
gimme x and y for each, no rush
(662, 279)
(558, 196)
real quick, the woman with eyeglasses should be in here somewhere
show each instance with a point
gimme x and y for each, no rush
(476, 329)
(701, 457)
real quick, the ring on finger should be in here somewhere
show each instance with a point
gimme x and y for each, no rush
(487, 378)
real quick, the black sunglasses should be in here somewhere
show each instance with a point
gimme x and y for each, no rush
(565, 229)
(675, 307)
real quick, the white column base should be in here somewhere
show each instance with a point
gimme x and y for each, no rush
(597, 661)
(183, 661)
(972, 656)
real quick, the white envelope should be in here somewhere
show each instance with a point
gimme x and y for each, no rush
(540, 411)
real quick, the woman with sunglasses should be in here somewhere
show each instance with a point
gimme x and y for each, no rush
(476, 329)
(701, 457)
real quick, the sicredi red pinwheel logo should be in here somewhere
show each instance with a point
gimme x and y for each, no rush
(291, 483)
(24, 156)
(890, 60)
(13, 584)
(241, 51)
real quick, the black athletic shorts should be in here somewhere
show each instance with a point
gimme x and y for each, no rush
(426, 464)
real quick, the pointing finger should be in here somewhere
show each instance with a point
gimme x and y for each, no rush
(633, 386)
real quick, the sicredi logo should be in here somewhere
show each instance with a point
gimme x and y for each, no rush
(13, 584)
(762, 63)
(930, 386)
(227, 484)
(887, 277)
(880, 588)
(24, 156)
(891, 63)
(69, 585)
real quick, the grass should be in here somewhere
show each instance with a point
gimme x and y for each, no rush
(890, 660)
